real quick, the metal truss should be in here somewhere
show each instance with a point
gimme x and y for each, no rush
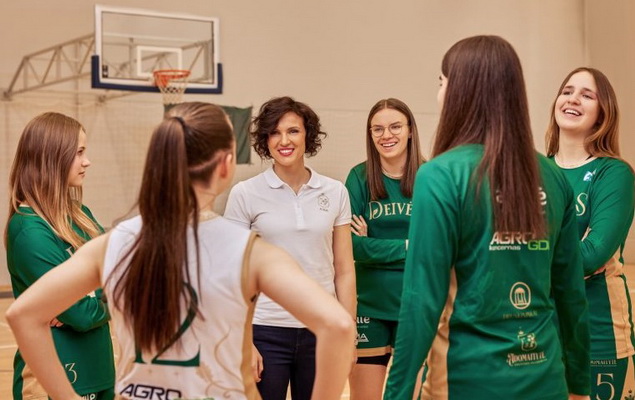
(61, 63)
(71, 61)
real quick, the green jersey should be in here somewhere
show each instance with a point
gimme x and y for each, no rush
(604, 197)
(480, 303)
(380, 256)
(83, 343)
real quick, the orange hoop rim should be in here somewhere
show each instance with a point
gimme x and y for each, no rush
(162, 77)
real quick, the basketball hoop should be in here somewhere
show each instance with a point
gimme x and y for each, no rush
(172, 84)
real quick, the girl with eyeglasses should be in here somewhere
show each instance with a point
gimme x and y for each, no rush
(583, 139)
(381, 201)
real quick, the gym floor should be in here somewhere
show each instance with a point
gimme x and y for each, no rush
(8, 346)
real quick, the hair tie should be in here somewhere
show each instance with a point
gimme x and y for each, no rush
(176, 117)
(186, 129)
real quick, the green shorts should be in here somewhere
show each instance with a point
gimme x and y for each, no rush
(613, 379)
(26, 386)
(375, 337)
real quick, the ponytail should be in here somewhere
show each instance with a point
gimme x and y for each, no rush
(155, 278)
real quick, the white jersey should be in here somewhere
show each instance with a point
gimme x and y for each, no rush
(211, 359)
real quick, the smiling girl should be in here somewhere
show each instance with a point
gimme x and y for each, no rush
(582, 137)
(381, 199)
(306, 214)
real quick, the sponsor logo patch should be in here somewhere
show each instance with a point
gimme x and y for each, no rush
(150, 392)
(515, 241)
(362, 338)
(528, 343)
(520, 295)
(588, 176)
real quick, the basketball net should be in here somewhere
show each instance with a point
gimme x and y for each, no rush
(172, 84)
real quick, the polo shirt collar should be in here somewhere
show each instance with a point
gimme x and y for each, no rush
(275, 182)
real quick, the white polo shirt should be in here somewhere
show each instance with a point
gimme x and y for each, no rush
(302, 224)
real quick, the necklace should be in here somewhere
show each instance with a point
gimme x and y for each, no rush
(206, 215)
(574, 164)
(393, 176)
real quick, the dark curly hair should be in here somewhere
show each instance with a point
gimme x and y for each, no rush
(267, 121)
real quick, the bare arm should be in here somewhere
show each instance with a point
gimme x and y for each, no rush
(344, 269)
(29, 316)
(275, 273)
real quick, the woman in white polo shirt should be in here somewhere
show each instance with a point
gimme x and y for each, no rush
(308, 215)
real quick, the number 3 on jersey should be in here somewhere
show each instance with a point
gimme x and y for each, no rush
(70, 371)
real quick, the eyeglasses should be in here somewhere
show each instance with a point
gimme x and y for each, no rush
(395, 129)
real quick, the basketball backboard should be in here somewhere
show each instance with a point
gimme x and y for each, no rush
(132, 43)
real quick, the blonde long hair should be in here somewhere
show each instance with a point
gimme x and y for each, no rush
(39, 177)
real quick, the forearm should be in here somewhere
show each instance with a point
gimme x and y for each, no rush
(346, 291)
(334, 353)
(36, 346)
(596, 253)
(344, 268)
(412, 344)
(88, 313)
(378, 251)
(569, 294)
(611, 202)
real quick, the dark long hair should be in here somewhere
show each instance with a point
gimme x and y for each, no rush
(186, 147)
(486, 103)
(604, 140)
(414, 157)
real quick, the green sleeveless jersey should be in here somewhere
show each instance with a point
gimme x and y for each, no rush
(604, 201)
(380, 256)
(83, 343)
(479, 303)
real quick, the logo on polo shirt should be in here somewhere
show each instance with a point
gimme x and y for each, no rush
(588, 176)
(323, 202)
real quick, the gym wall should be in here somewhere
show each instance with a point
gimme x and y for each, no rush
(339, 57)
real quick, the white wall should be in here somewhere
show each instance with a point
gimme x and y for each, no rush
(611, 49)
(339, 56)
